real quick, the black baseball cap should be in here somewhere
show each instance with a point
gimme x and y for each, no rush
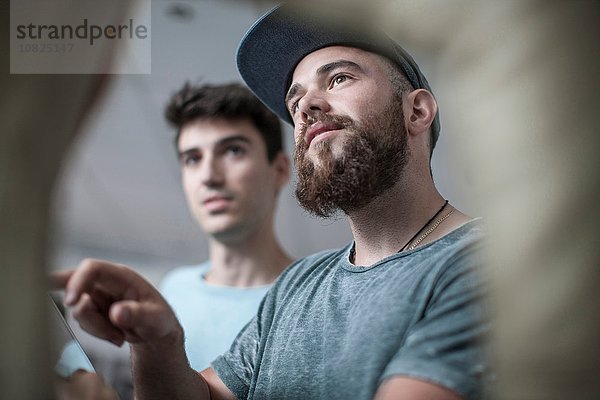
(280, 39)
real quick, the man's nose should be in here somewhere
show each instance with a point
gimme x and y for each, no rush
(312, 103)
(211, 172)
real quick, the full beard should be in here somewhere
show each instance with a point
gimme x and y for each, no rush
(374, 155)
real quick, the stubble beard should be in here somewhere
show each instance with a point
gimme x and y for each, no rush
(373, 158)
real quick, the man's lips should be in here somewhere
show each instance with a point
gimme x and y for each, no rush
(319, 128)
(216, 202)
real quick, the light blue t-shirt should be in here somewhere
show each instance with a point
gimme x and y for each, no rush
(331, 330)
(211, 315)
(72, 359)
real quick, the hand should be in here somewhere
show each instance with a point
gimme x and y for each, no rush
(84, 386)
(114, 303)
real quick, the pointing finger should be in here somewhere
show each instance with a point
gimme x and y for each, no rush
(59, 280)
(93, 276)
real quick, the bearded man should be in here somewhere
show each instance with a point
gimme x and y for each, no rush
(396, 314)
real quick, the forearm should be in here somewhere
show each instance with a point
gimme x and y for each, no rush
(161, 371)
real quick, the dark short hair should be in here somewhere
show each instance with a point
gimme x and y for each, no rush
(231, 101)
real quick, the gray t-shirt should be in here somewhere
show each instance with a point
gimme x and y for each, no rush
(331, 330)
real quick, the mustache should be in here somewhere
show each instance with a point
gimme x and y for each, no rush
(320, 116)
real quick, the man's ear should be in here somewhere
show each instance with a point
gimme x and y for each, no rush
(420, 109)
(281, 168)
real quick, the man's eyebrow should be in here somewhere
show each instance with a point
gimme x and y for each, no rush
(220, 142)
(323, 70)
(233, 138)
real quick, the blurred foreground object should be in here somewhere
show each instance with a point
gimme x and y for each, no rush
(522, 80)
(40, 116)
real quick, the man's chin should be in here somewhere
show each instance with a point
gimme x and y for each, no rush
(221, 224)
(324, 155)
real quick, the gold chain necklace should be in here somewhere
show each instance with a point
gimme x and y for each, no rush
(424, 226)
(428, 231)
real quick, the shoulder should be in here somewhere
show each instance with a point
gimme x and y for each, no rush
(464, 241)
(452, 260)
(471, 232)
(303, 269)
(318, 260)
(458, 260)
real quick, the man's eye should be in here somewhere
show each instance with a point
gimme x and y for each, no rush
(294, 107)
(191, 160)
(235, 150)
(338, 79)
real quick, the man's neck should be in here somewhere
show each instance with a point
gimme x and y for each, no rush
(388, 223)
(256, 261)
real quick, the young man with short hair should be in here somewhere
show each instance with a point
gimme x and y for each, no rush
(233, 167)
